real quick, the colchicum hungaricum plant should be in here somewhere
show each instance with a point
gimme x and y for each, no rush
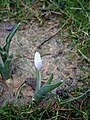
(41, 91)
(5, 58)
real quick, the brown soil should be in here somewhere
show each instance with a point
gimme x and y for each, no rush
(58, 56)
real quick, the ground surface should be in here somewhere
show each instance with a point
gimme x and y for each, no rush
(58, 56)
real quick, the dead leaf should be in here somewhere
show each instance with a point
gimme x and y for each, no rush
(31, 81)
(71, 67)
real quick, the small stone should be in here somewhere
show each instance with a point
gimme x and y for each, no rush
(9, 27)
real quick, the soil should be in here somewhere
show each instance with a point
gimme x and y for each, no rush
(59, 57)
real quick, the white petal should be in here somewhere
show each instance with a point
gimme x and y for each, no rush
(38, 61)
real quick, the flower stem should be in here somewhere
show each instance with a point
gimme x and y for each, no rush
(38, 80)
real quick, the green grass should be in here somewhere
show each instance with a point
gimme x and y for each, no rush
(53, 108)
(78, 29)
(15, 9)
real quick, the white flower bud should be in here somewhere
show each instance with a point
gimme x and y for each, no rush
(38, 61)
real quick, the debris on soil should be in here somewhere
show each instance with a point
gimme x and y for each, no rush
(56, 56)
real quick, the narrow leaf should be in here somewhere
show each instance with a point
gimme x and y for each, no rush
(9, 37)
(7, 63)
(5, 70)
(49, 79)
(45, 89)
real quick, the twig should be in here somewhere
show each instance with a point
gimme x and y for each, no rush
(60, 109)
(39, 46)
(81, 105)
(3, 82)
(84, 56)
(68, 28)
(56, 6)
(35, 13)
(75, 98)
(26, 6)
(57, 13)
(19, 88)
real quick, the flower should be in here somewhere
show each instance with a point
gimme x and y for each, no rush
(38, 61)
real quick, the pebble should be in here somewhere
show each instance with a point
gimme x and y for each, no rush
(9, 27)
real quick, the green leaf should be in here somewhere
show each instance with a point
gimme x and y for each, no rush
(9, 38)
(4, 50)
(49, 79)
(7, 63)
(1, 49)
(40, 94)
(5, 70)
